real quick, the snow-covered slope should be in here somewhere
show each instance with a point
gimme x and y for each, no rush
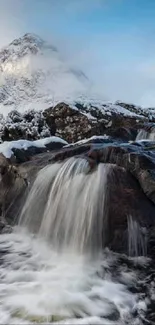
(33, 76)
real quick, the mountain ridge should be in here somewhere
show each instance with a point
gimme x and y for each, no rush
(33, 72)
(34, 76)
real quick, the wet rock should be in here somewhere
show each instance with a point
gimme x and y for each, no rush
(147, 181)
(70, 152)
(12, 187)
(139, 162)
(126, 198)
(22, 155)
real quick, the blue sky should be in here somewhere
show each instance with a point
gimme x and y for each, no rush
(113, 41)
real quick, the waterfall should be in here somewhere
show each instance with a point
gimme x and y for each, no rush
(67, 205)
(146, 135)
(137, 239)
(57, 273)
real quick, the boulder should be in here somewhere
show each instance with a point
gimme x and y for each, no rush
(73, 123)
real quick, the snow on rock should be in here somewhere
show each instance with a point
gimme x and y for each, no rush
(33, 75)
(31, 125)
(6, 148)
(94, 138)
(43, 142)
(70, 122)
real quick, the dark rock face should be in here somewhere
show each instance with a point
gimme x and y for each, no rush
(136, 160)
(21, 155)
(12, 186)
(126, 198)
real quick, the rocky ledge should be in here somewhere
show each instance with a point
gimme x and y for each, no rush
(131, 185)
(76, 122)
(131, 182)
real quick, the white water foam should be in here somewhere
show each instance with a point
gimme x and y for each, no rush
(39, 285)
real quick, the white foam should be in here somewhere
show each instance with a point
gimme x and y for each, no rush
(36, 283)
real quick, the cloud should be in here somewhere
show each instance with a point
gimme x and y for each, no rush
(10, 20)
(120, 63)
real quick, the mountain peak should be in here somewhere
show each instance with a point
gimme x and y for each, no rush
(28, 44)
(33, 73)
(28, 38)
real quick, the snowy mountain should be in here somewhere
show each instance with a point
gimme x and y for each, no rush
(33, 75)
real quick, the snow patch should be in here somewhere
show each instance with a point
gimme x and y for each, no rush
(83, 141)
(6, 147)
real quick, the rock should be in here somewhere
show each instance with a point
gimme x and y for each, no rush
(22, 155)
(123, 133)
(126, 198)
(30, 126)
(147, 181)
(12, 187)
(134, 159)
(72, 123)
(147, 113)
(15, 116)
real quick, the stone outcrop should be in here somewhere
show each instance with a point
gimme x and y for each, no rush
(71, 123)
(131, 185)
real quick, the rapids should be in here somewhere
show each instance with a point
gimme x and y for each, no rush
(40, 285)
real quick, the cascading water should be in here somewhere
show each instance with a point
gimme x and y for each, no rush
(50, 270)
(137, 238)
(146, 135)
(66, 205)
